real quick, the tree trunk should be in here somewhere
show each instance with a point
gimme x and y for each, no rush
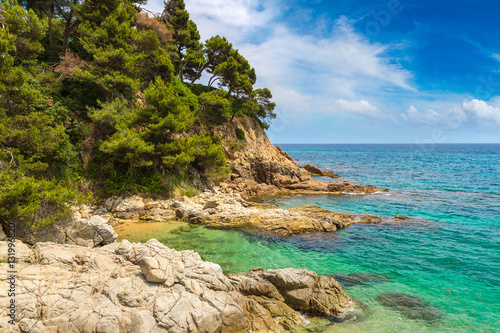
(50, 7)
(234, 110)
(67, 30)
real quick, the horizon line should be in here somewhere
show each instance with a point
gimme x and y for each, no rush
(389, 143)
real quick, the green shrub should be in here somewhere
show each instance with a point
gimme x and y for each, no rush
(190, 191)
(240, 134)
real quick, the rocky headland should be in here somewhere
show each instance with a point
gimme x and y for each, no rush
(260, 168)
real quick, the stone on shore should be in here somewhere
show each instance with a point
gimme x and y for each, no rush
(315, 171)
(78, 229)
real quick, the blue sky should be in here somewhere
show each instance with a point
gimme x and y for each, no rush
(368, 71)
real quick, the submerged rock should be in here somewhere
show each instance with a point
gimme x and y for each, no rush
(350, 280)
(410, 306)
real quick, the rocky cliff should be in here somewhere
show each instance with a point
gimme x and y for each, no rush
(258, 167)
(255, 160)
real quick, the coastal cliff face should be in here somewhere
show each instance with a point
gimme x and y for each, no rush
(256, 162)
(260, 168)
(148, 287)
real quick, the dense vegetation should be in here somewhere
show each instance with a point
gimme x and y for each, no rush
(100, 98)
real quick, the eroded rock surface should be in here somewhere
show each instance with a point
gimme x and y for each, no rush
(80, 228)
(129, 287)
(260, 168)
(315, 171)
(230, 211)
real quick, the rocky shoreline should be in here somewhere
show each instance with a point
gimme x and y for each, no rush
(84, 281)
(73, 276)
(258, 168)
(147, 287)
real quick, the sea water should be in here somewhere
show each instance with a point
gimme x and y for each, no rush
(450, 260)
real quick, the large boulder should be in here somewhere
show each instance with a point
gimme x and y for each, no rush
(87, 230)
(299, 289)
(315, 171)
(125, 208)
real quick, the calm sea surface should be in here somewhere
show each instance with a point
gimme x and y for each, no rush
(451, 261)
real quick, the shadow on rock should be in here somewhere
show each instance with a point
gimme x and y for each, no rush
(410, 306)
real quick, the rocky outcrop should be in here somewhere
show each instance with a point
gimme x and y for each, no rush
(314, 186)
(315, 171)
(230, 211)
(135, 207)
(259, 168)
(257, 159)
(299, 288)
(129, 287)
(80, 228)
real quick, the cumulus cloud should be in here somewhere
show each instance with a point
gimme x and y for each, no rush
(362, 108)
(482, 111)
(428, 117)
(456, 115)
(452, 117)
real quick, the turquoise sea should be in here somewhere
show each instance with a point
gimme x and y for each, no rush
(450, 260)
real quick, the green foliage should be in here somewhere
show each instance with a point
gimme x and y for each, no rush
(92, 95)
(37, 202)
(215, 107)
(185, 38)
(122, 178)
(27, 29)
(190, 191)
(240, 134)
(234, 146)
(197, 88)
(259, 106)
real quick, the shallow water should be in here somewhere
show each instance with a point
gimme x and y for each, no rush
(450, 261)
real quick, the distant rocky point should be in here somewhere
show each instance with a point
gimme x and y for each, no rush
(259, 168)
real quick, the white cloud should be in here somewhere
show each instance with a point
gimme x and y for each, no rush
(452, 117)
(236, 13)
(495, 56)
(428, 117)
(482, 111)
(304, 71)
(345, 59)
(362, 108)
(455, 115)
